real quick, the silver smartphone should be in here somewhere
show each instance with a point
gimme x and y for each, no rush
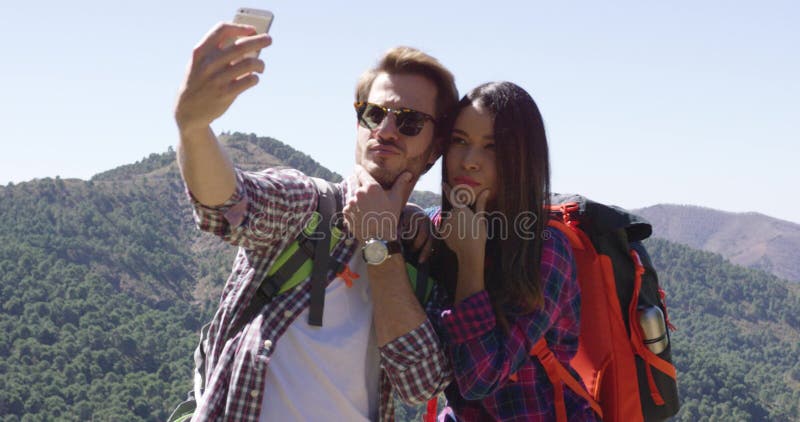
(260, 19)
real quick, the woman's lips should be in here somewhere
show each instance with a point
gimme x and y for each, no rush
(463, 180)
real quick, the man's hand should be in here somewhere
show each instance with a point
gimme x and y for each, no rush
(373, 211)
(217, 74)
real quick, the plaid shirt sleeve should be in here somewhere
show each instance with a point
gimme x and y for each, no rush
(483, 354)
(266, 208)
(416, 363)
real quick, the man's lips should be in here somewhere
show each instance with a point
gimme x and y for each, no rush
(385, 149)
(463, 180)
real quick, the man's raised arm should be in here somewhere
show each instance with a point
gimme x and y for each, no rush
(216, 75)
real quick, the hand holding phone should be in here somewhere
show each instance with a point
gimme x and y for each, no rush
(200, 101)
(260, 19)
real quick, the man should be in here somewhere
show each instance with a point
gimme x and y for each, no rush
(375, 338)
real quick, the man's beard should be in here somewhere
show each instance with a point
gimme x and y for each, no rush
(386, 177)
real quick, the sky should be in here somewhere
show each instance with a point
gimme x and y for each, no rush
(682, 102)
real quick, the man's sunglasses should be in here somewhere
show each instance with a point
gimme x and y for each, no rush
(409, 122)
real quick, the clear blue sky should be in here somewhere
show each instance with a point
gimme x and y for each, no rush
(681, 102)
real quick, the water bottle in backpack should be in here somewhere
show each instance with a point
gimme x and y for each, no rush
(654, 328)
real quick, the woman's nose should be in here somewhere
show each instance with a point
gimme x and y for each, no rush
(471, 160)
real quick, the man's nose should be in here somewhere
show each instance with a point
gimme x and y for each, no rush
(388, 128)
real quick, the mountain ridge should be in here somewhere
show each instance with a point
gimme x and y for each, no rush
(750, 239)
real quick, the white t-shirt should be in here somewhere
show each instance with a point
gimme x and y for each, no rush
(328, 373)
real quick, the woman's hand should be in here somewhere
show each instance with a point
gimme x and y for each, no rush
(465, 233)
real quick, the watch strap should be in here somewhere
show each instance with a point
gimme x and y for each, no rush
(394, 247)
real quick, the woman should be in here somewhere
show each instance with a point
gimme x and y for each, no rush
(515, 282)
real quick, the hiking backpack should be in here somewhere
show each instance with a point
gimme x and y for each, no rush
(625, 380)
(624, 352)
(308, 256)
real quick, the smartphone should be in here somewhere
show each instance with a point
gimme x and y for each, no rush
(260, 19)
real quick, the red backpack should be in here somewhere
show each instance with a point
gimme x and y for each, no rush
(626, 367)
(624, 353)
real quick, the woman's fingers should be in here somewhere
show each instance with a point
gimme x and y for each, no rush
(427, 250)
(480, 203)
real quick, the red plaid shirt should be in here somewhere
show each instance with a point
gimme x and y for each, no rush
(267, 213)
(484, 355)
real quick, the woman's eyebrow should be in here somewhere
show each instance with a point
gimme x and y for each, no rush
(488, 137)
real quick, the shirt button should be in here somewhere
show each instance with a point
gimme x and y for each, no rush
(254, 393)
(267, 344)
(287, 314)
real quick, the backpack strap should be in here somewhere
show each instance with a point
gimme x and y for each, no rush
(422, 284)
(328, 203)
(330, 200)
(560, 376)
(418, 276)
(637, 338)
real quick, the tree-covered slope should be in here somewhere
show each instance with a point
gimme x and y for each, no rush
(97, 312)
(104, 285)
(737, 347)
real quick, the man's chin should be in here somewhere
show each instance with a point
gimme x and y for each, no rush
(385, 177)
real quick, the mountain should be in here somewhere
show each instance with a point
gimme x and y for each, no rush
(749, 239)
(104, 284)
(248, 151)
(737, 344)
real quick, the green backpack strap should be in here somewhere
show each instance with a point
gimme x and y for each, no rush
(184, 411)
(319, 275)
(419, 276)
(298, 255)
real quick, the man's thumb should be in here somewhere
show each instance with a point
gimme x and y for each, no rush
(402, 186)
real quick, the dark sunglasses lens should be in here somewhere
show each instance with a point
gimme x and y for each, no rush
(372, 116)
(410, 123)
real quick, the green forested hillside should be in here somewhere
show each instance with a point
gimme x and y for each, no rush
(737, 347)
(97, 317)
(104, 283)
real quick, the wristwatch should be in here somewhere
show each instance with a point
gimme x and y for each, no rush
(376, 250)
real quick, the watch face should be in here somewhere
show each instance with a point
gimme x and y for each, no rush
(375, 252)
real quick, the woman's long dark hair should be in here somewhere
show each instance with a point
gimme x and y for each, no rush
(512, 273)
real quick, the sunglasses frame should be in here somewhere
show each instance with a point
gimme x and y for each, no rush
(361, 108)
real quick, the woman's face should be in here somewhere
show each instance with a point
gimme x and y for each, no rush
(470, 160)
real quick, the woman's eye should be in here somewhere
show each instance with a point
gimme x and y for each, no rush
(489, 146)
(458, 140)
